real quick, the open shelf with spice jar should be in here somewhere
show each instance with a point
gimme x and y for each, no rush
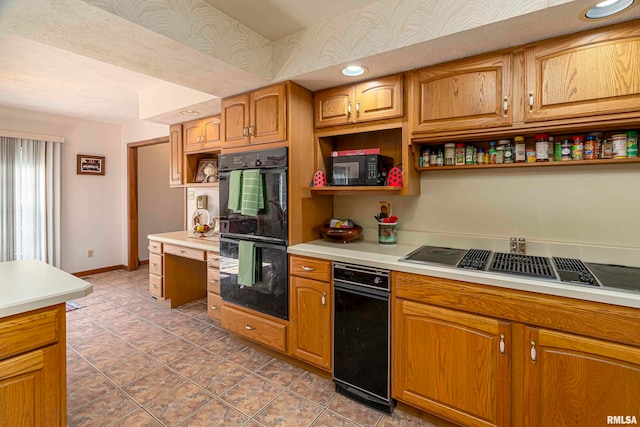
(555, 149)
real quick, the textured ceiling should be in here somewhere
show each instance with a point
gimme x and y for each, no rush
(92, 58)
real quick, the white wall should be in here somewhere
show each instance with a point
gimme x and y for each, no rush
(590, 212)
(91, 206)
(160, 207)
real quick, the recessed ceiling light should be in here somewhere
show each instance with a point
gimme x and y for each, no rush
(190, 112)
(353, 70)
(608, 8)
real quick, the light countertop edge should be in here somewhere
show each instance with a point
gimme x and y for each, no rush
(373, 254)
(186, 238)
(28, 285)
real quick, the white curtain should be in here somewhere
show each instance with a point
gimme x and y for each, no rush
(30, 200)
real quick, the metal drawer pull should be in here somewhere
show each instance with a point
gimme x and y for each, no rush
(214, 307)
(154, 265)
(214, 281)
(501, 344)
(183, 252)
(533, 351)
(249, 328)
(305, 268)
(154, 286)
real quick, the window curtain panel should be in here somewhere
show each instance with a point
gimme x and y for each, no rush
(30, 199)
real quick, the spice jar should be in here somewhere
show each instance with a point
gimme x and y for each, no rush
(480, 157)
(565, 150)
(520, 149)
(619, 146)
(542, 147)
(469, 155)
(500, 153)
(492, 153)
(632, 143)
(577, 147)
(449, 154)
(508, 150)
(433, 157)
(459, 154)
(557, 151)
(598, 137)
(590, 150)
(440, 158)
(606, 149)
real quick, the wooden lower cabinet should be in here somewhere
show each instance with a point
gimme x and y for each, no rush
(576, 381)
(479, 355)
(452, 364)
(255, 327)
(33, 368)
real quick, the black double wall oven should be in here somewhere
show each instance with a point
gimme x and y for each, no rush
(253, 242)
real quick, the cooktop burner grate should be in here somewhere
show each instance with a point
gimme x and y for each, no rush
(525, 265)
(475, 259)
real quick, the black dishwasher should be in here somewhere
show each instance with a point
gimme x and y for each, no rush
(361, 339)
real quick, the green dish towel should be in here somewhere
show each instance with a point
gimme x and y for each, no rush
(252, 192)
(235, 191)
(246, 263)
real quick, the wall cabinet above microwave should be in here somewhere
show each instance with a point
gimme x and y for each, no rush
(372, 100)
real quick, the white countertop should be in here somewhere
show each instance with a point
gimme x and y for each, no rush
(187, 239)
(31, 284)
(373, 254)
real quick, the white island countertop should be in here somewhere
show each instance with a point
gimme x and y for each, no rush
(27, 285)
(373, 254)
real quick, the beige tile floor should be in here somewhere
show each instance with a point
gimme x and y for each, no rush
(133, 362)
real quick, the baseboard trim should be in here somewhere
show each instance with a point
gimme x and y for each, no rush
(99, 270)
(144, 262)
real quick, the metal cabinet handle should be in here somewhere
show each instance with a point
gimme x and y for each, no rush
(154, 265)
(183, 252)
(214, 307)
(154, 286)
(251, 130)
(324, 298)
(249, 328)
(505, 106)
(531, 102)
(501, 344)
(214, 281)
(244, 131)
(305, 268)
(358, 108)
(349, 110)
(533, 351)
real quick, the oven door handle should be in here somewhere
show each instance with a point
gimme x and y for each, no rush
(363, 290)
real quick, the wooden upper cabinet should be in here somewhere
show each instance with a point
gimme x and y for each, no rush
(201, 134)
(258, 117)
(461, 95)
(452, 364)
(372, 100)
(572, 380)
(175, 155)
(586, 74)
(212, 135)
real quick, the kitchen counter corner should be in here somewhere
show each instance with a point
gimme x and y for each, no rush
(31, 284)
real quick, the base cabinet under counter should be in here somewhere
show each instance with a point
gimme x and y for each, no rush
(266, 330)
(482, 356)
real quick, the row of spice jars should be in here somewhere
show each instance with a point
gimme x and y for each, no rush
(578, 147)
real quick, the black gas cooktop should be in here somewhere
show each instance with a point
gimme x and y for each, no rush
(566, 270)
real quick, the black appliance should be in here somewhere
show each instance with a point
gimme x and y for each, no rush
(360, 169)
(361, 337)
(435, 255)
(618, 277)
(267, 231)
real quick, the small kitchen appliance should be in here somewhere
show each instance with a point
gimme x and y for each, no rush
(364, 169)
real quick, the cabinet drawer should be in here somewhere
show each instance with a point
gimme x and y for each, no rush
(182, 251)
(155, 264)
(213, 280)
(261, 330)
(30, 331)
(155, 285)
(155, 247)
(311, 268)
(214, 306)
(213, 259)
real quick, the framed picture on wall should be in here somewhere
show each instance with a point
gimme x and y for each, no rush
(90, 165)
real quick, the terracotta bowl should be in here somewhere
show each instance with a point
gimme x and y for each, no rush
(341, 235)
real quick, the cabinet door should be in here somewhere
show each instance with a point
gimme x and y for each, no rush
(268, 115)
(453, 364)
(235, 121)
(212, 133)
(333, 107)
(175, 155)
(192, 135)
(311, 321)
(584, 75)
(379, 99)
(576, 381)
(468, 94)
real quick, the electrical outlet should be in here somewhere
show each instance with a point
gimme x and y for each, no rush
(513, 245)
(522, 246)
(90, 253)
(192, 195)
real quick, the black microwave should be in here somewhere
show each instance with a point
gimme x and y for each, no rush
(361, 169)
